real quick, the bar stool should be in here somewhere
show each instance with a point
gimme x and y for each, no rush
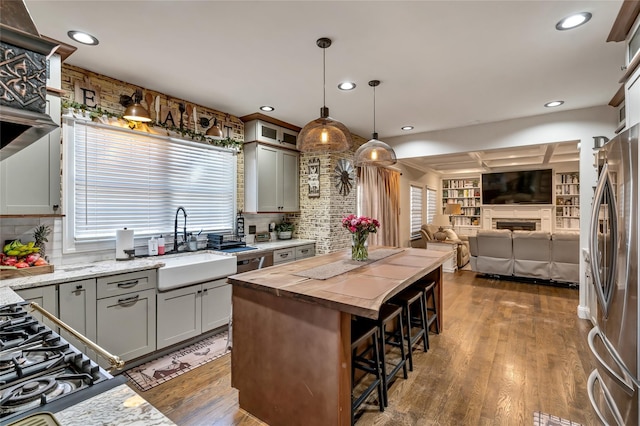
(407, 299)
(389, 313)
(430, 312)
(361, 331)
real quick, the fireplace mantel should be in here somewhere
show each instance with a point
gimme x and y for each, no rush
(539, 214)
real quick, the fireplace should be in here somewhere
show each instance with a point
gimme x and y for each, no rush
(516, 226)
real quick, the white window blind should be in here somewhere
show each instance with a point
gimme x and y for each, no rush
(127, 179)
(431, 204)
(416, 210)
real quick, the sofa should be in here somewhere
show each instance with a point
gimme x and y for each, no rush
(427, 232)
(527, 254)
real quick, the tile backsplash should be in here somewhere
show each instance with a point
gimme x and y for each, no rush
(22, 229)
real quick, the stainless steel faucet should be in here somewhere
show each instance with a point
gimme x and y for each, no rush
(175, 229)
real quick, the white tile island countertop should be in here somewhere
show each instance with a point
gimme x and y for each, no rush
(120, 405)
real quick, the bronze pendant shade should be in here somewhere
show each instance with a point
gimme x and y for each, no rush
(375, 152)
(134, 111)
(324, 134)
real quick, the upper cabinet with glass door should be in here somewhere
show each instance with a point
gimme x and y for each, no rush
(261, 128)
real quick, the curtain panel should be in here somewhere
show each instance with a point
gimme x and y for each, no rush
(380, 199)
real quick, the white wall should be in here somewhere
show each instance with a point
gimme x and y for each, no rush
(579, 125)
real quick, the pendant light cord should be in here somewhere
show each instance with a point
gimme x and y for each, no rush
(324, 77)
(374, 109)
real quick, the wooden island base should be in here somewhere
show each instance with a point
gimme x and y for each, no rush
(291, 357)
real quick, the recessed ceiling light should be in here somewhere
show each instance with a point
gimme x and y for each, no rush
(406, 127)
(82, 37)
(553, 104)
(266, 108)
(573, 21)
(346, 85)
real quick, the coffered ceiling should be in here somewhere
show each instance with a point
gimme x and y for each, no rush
(442, 64)
(517, 158)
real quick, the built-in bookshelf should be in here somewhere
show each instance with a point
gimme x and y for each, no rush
(568, 201)
(465, 192)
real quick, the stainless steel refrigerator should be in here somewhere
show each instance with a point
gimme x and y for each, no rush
(614, 386)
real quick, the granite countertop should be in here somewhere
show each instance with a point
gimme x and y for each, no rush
(117, 406)
(66, 273)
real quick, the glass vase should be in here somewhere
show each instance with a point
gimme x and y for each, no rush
(359, 249)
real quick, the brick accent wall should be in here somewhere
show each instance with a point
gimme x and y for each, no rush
(320, 218)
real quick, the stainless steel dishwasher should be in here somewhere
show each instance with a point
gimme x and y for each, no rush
(248, 261)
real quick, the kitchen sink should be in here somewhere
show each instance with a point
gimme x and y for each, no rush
(192, 268)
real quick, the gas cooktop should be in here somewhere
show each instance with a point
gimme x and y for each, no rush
(39, 368)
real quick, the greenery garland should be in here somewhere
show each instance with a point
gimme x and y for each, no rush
(97, 112)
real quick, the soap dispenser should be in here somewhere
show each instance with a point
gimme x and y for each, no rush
(153, 246)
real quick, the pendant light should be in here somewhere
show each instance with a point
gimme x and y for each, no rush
(324, 134)
(375, 152)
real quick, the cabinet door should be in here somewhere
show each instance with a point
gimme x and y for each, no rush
(31, 177)
(267, 132)
(216, 304)
(46, 297)
(267, 179)
(126, 324)
(77, 302)
(289, 180)
(288, 138)
(179, 315)
(632, 99)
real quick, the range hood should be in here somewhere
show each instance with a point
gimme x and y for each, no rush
(23, 79)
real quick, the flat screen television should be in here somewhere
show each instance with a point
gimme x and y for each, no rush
(522, 187)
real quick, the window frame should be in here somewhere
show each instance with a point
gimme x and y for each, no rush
(69, 243)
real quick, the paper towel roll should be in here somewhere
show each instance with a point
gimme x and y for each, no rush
(124, 241)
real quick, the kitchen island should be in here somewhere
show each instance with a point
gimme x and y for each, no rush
(291, 357)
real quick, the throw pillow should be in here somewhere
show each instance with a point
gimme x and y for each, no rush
(451, 235)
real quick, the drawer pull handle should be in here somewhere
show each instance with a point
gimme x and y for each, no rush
(305, 251)
(128, 300)
(78, 287)
(128, 284)
(284, 254)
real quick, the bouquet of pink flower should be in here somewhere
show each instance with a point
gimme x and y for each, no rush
(360, 224)
(360, 227)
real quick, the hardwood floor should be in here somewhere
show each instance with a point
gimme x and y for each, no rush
(508, 349)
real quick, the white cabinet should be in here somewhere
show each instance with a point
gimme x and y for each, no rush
(450, 265)
(126, 314)
(293, 253)
(284, 255)
(30, 178)
(216, 304)
(77, 308)
(632, 99)
(271, 179)
(189, 311)
(261, 131)
(44, 296)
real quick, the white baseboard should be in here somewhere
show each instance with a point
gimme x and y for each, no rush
(584, 312)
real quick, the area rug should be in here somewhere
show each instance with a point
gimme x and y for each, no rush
(544, 419)
(167, 367)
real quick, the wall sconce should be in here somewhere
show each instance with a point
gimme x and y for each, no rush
(214, 132)
(134, 111)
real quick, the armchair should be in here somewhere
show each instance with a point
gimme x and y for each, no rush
(427, 232)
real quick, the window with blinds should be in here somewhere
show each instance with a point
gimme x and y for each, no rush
(431, 204)
(120, 178)
(416, 210)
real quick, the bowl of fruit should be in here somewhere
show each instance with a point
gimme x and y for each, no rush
(18, 259)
